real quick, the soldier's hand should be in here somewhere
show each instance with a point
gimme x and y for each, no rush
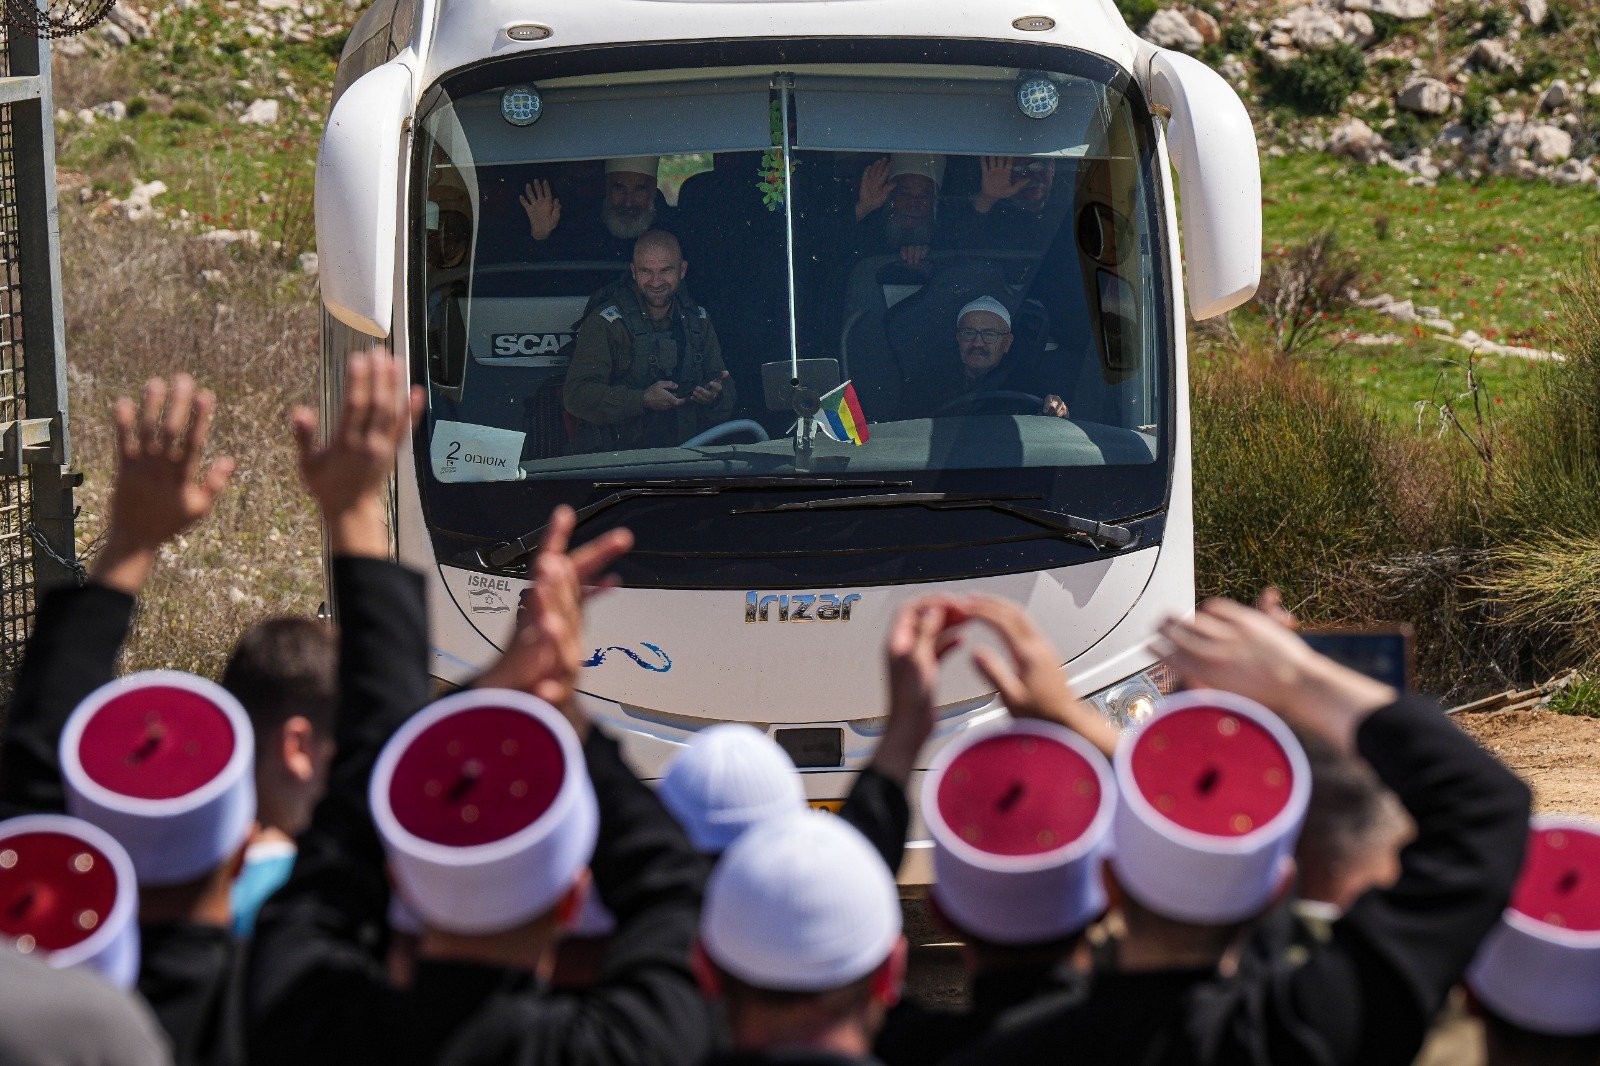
(875, 186)
(542, 208)
(708, 393)
(659, 397)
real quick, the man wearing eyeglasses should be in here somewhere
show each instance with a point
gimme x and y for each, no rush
(983, 337)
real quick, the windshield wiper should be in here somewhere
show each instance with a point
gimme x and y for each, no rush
(1106, 535)
(503, 555)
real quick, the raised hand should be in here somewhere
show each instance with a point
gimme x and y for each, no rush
(160, 489)
(346, 476)
(1032, 685)
(1229, 646)
(998, 184)
(542, 208)
(875, 187)
(1054, 406)
(1270, 603)
(920, 639)
(546, 652)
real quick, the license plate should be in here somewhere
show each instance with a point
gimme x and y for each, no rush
(814, 747)
(831, 806)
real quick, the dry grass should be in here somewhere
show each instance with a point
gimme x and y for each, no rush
(137, 307)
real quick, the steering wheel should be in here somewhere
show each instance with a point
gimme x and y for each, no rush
(1019, 398)
(729, 429)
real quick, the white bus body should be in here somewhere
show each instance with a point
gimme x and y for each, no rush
(732, 610)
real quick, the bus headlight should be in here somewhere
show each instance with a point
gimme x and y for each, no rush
(1133, 699)
(1037, 96)
(521, 105)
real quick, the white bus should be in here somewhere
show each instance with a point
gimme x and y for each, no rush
(842, 179)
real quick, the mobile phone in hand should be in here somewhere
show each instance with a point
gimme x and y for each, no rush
(1385, 653)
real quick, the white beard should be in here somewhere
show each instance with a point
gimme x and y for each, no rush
(626, 225)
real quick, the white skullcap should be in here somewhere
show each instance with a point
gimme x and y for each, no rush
(165, 762)
(800, 903)
(68, 895)
(726, 779)
(929, 166)
(985, 303)
(648, 165)
(1539, 967)
(1212, 790)
(1020, 819)
(486, 811)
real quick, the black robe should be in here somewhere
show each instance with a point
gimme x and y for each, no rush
(318, 988)
(1367, 995)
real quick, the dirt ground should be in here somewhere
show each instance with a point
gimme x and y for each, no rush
(1557, 754)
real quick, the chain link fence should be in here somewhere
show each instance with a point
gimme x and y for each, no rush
(36, 511)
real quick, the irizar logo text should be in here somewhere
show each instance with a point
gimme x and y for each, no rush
(798, 606)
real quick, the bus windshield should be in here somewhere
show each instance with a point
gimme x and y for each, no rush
(895, 271)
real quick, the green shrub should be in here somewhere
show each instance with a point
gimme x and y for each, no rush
(137, 105)
(1410, 131)
(1384, 26)
(1390, 66)
(1494, 21)
(1580, 696)
(1238, 38)
(1319, 83)
(189, 111)
(1137, 12)
(1475, 107)
(1560, 17)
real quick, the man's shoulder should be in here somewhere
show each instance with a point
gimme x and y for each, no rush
(611, 313)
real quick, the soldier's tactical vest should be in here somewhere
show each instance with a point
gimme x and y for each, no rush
(653, 356)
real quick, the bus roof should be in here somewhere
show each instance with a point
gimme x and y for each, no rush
(469, 31)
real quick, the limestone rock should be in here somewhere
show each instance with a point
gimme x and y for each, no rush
(1491, 55)
(1234, 71)
(1356, 140)
(1168, 28)
(1310, 28)
(135, 25)
(1574, 172)
(1403, 9)
(1425, 96)
(138, 206)
(308, 263)
(260, 113)
(1557, 96)
(1206, 26)
(229, 237)
(1358, 28)
(110, 31)
(1534, 11)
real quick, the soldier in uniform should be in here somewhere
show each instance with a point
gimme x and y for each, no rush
(647, 369)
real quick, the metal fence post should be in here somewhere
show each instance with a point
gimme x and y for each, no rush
(36, 508)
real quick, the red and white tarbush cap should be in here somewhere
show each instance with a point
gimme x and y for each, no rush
(165, 762)
(1020, 819)
(486, 811)
(1539, 967)
(68, 895)
(1212, 792)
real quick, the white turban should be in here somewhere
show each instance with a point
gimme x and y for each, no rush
(929, 166)
(989, 304)
(648, 165)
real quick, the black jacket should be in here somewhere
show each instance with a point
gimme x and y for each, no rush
(188, 973)
(1365, 996)
(318, 985)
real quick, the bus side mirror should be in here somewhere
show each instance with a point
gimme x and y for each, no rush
(1213, 147)
(358, 198)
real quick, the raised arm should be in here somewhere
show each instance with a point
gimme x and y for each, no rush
(1369, 995)
(161, 488)
(319, 941)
